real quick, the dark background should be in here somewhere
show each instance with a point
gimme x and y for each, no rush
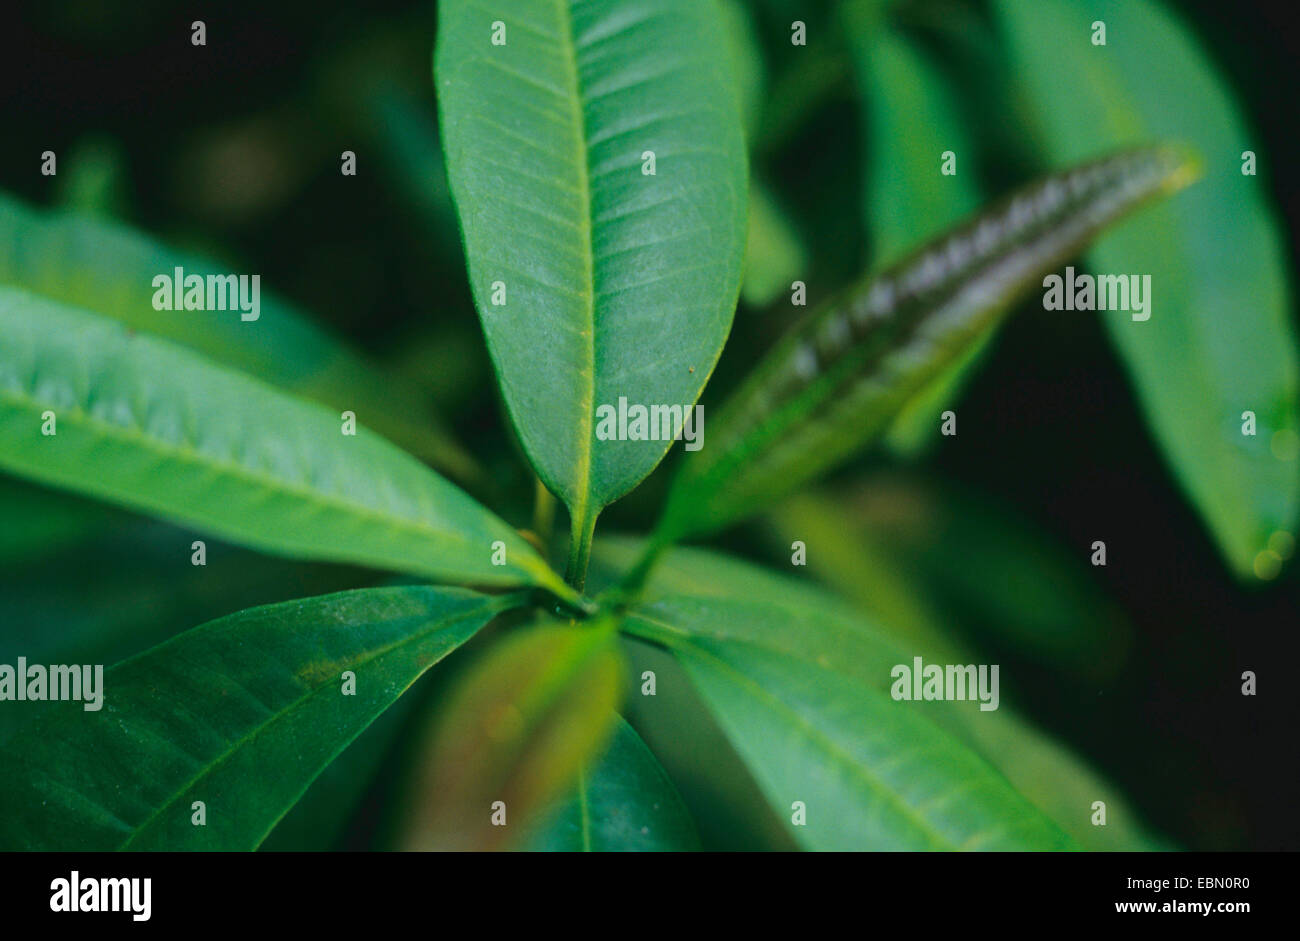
(233, 149)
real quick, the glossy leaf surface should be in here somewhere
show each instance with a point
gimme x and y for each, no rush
(595, 279)
(171, 434)
(837, 380)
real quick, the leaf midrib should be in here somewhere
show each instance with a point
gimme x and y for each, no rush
(184, 454)
(568, 47)
(585, 810)
(687, 643)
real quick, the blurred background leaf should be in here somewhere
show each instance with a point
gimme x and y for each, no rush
(775, 256)
(910, 122)
(837, 379)
(916, 551)
(109, 269)
(1220, 340)
(40, 520)
(748, 67)
(518, 729)
(94, 178)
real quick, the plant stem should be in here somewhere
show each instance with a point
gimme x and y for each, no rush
(543, 517)
(575, 573)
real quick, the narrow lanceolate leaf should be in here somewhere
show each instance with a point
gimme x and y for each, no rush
(1219, 340)
(841, 762)
(110, 269)
(240, 714)
(515, 735)
(88, 405)
(625, 802)
(839, 378)
(598, 167)
(804, 622)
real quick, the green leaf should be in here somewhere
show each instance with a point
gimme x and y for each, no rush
(898, 551)
(840, 376)
(775, 256)
(517, 729)
(93, 180)
(618, 284)
(979, 562)
(325, 815)
(816, 74)
(109, 269)
(1219, 341)
(911, 121)
(871, 773)
(865, 643)
(623, 803)
(241, 714)
(774, 252)
(38, 521)
(746, 62)
(410, 145)
(155, 427)
(136, 588)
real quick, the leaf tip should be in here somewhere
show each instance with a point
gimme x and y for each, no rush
(1182, 165)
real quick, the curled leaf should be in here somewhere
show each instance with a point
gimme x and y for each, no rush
(836, 380)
